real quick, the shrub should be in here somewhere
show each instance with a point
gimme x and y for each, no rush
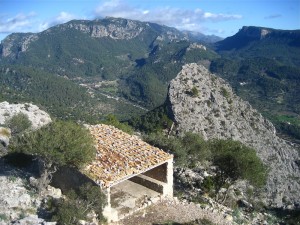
(172, 145)
(196, 147)
(57, 144)
(195, 92)
(224, 92)
(112, 120)
(208, 185)
(78, 204)
(188, 150)
(237, 161)
(18, 123)
(4, 132)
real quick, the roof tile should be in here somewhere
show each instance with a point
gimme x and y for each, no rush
(120, 155)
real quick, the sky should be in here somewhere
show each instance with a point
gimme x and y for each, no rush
(219, 17)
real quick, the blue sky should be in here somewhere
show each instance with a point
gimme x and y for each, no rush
(220, 17)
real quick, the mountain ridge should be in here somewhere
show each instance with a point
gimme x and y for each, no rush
(252, 41)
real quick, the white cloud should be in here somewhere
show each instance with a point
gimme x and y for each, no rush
(176, 17)
(17, 23)
(62, 17)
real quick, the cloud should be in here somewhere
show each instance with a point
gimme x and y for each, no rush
(273, 16)
(62, 17)
(183, 19)
(17, 23)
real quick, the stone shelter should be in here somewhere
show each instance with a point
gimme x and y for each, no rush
(131, 172)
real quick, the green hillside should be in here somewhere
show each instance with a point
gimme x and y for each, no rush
(139, 57)
(59, 96)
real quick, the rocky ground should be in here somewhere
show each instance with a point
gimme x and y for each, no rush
(19, 203)
(184, 212)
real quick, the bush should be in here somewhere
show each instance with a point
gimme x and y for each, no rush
(18, 123)
(78, 204)
(112, 120)
(188, 150)
(196, 147)
(237, 161)
(195, 92)
(172, 145)
(57, 144)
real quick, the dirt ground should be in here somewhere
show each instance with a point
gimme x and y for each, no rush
(174, 211)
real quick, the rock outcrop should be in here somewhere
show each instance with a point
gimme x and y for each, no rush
(19, 202)
(37, 116)
(205, 104)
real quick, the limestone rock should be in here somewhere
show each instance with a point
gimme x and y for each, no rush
(37, 116)
(205, 104)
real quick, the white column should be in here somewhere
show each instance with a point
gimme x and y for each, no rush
(168, 188)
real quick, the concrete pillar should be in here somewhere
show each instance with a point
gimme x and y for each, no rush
(108, 212)
(168, 187)
(107, 208)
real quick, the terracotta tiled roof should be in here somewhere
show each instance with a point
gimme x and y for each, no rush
(120, 156)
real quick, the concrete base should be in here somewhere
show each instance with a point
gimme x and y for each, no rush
(128, 197)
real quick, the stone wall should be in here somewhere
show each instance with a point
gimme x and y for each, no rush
(158, 173)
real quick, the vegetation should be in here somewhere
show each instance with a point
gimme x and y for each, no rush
(56, 144)
(113, 120)
(236, 161)
(195, 92)
(78, 205)
(18, 123)
(233, 159)
(188, 150)
(153, 121)
(60, 97)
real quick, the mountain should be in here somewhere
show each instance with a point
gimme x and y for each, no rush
(203, 103)
(197, 36)
(262, 65)
(137, 58)
(280, 45)
(124, 65)
(88, 48)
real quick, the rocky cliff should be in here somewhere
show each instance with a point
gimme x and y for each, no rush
(205, 104)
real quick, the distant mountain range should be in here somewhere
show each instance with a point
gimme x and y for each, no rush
(280, 45)
(112, 57)
(123, 66)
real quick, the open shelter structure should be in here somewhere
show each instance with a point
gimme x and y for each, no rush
(131, 172)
